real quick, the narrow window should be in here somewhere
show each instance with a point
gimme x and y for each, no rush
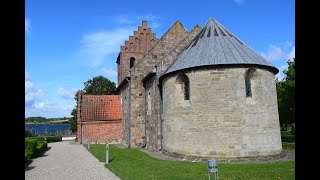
(132, 62)
(248, 78)
(183, 80)
(248, 86)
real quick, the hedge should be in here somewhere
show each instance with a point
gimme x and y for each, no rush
(49, 139)
(30, 148)
(34, 147)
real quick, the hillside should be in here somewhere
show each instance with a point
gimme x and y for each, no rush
(43, 120)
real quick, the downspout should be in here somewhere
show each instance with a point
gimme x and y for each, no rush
(129, 111)
(161, 110)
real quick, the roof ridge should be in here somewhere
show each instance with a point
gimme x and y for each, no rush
(189, 34)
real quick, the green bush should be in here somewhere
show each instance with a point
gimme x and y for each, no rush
(27, 133)
(41, 146)
(34, 147)
(49, 139)
(53, 138)
(30, 148)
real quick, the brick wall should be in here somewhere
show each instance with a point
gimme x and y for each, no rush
(101, 118)
(101, 132)
(137, 45)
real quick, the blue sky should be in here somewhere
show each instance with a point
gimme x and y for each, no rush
(70, 42)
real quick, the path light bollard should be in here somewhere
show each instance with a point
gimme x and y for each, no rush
(213, 168)
(107, 153)
(88, 143)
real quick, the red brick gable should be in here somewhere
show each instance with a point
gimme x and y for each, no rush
(100, 108)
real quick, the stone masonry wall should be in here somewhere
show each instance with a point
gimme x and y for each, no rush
(161, 49)
(124, 110)
(218, 120)
(153, 123)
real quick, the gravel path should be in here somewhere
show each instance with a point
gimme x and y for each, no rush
(67, 160)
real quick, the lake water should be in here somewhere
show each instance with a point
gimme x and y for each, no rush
(48, 129)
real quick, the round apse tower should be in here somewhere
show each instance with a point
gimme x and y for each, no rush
(219, 99)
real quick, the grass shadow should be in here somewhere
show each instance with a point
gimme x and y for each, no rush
(111, 160)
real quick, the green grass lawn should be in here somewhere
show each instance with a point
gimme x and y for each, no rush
(289, 146)
(286, 133)
(134, 164)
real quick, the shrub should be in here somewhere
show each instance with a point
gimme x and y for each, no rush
(41, 146)
(49, 139)
(34, 147)
(27, 133)
(30, 148)
(53, 138)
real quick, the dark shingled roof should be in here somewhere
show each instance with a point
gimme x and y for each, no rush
(216, 45)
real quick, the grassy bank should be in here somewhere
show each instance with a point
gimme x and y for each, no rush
(134, 164)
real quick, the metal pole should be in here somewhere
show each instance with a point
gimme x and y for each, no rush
(88, 143)
(107, 153)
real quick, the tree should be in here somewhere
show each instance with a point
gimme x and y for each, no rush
(73, 120)
(286, 96)
(98, 85)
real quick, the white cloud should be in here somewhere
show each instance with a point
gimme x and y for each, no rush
(148, 17)
(32, 93)
(153, 21)
(280, 75)
(66, 93)
(292, 53)
(282, 52)
(42, 105)
(239, 2)
(274, 53)
(108, 72)
(27, 25)
(28, 84)
(50, 110)
(96, 46)
(37, 102)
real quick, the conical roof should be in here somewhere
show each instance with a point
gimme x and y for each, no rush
(216, 45)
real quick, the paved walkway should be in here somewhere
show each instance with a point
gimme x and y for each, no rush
(67, 160)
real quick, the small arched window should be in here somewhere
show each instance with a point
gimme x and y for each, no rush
(248, 77)
(183, 81)
(132, 62)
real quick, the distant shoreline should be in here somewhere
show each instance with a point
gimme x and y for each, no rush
(51, 122)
